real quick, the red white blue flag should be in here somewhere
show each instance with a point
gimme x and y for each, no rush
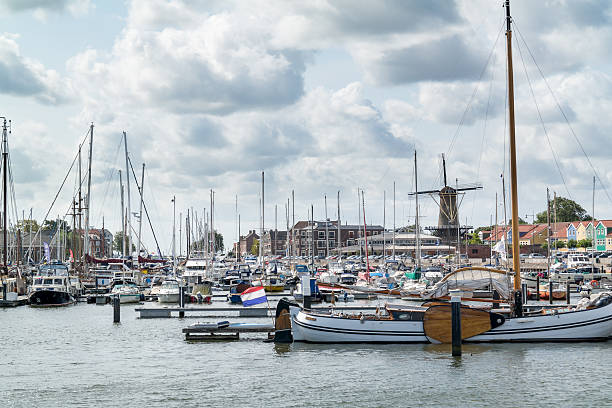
(253, 296)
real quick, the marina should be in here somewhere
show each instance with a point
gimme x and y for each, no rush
(281, 205)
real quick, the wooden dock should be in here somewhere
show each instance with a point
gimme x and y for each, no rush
(19, 301)
(220, 332)
(249, 312)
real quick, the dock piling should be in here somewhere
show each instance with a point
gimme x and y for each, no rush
(495, 297)
(116, 309)
(3, 290)
(538, 287)
(181, 301)
(456, 325)
(550, 292)
(524, 292)
(567, 293)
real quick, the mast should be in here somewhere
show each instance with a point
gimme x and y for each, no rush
(513, 174)
(4, 195)
(262, 218)
(326, 229)
(495, 236)
(359, 222)
(384, 224)
(88, 198)
(122, 217)
(548, 236)
(365, 233)
(339, 236)
(237, 231)
(312, 246)
(394, 220)
(593, 235)
(79, 248)
(129, 207)
(103, 243)
(292, 226)
(458, 259)
(174, 234)
(141, 190)
(417, 223)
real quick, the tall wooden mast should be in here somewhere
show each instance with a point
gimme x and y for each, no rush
(4, 196)
(513, 177)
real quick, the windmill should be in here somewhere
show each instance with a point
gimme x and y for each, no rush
(447, 199)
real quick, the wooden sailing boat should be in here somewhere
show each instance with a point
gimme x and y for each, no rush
(591, 320)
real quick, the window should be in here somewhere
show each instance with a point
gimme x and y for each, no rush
(332, 234)
(474, 251)
(321, 253)
(320, 244)
(332, 244)
(321, 234)
(351, 234)
(303, 233)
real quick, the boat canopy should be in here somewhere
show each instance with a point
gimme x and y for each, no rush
(470, 279)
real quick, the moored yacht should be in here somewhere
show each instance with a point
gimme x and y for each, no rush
(169, 291)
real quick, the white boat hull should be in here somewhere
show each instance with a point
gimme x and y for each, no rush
(168, 297)
(129, 298)
(586, 325)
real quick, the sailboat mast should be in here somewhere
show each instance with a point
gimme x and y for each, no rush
(394, 220)
(594, 236)
(417, 223)
(88, 199)
(129, 207)
(548, 234)
(326, 229)
(516, 263)
(4, 196)
(365, 234)
(384, 253)
(122, 217)
(338, 225)
(140, 212)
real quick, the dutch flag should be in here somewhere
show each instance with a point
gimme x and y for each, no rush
(253, 296)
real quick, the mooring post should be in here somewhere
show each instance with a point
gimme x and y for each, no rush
(3, 290)
(116, 309)
(182, 301)
(538, 288)
(524, 290)
(550, 292)
(567, 292)
(306, 291)
(456, 325)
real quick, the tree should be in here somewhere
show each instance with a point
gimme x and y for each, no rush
(474, 239)
(571, 243)
(521, 221)
(53, 225)
(567, 211)
(118, 243)
(584, 243)
(559, 244)
(28, 225)
(255, 247)
(219, 241)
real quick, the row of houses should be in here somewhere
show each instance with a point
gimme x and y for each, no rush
(599, 232)
(308, 238)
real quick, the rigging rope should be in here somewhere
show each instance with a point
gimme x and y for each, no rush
(573, 133)
(557, 164)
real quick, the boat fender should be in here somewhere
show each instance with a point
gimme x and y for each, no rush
(361, 318)
(594, 283)
(496, 320)
(221, 325)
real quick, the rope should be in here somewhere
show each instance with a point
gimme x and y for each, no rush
(573, 133)
(542, 121)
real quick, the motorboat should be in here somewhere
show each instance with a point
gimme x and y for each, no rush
(50, 291)
(124, 286)
(169, 291)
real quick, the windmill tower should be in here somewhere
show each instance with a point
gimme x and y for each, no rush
(447, 199)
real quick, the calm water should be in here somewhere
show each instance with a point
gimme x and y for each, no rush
(76, 356)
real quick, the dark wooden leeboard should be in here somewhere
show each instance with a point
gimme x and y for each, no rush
(437, 322)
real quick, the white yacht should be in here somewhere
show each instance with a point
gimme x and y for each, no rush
(124, 285)
(169, 291)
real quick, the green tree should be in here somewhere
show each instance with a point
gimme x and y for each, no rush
(255, 247)
(474, 239)
(521, 221)
(118, 242)
(219, 241)
(567, 211)
(584, 243)
(53, 225)
(571, 243)
(559, 244)
(28, 225)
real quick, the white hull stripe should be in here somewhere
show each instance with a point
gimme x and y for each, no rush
(550, 328)
(360, 332)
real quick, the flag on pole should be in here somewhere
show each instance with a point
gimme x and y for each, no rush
(47, 253)
(500, 247)
(253, 296)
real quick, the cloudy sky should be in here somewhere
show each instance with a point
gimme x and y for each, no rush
(323, 96)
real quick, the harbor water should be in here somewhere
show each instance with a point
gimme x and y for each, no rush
(76, 356)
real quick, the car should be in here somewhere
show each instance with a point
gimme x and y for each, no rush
(523, 256)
